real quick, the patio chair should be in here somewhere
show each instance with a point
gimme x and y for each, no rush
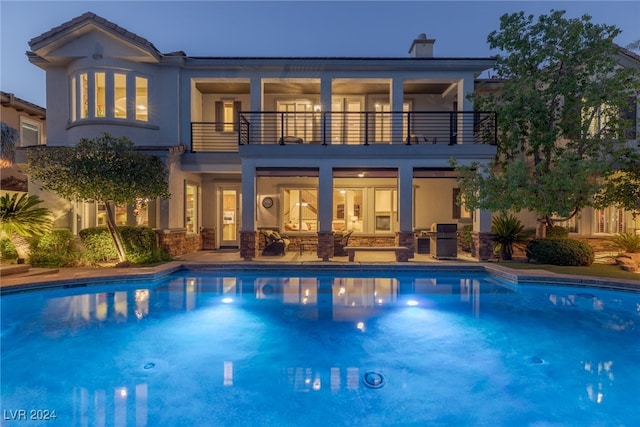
(339, 243)
(274, 244)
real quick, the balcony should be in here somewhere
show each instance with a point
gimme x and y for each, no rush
(346, 128)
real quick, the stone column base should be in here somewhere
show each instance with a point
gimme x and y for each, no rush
(248, 245)
(208, 238)
(481, 245)
(406, 239)
(325, 245)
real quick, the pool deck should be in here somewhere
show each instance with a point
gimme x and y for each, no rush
(15, 278)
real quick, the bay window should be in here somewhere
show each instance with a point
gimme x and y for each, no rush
(106, 94)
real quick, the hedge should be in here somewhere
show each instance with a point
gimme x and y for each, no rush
(560, 252)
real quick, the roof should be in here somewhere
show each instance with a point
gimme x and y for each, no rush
(92, 18)
(18, 104)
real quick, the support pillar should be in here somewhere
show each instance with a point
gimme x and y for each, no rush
(325, 204)
(404, 237)
(397, 100)
(325, 245)
(248, 235)
(481, 236)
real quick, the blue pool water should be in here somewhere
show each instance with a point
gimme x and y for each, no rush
(321, 349)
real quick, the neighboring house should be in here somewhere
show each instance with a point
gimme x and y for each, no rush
(310, 146)
(29, 120)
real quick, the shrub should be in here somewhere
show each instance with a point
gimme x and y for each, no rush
(98, 244)
(53, 249)
(139, 243)
(560, 252)
(627, 242)
(557, 232)
(508, 232)
(465, 237)
(7, 250)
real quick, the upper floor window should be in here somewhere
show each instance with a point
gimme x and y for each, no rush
(30, 133)
(111, 95)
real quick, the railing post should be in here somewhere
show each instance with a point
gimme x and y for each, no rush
(452, 135)
(408, 142)
(323, 124)
(281, 128)
(366, 128)
(191, 137)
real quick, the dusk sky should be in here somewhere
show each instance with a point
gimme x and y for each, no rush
(285, 28)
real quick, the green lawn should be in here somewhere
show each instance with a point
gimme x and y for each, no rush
(595, 270)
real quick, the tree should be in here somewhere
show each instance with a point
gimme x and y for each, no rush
(9, 138)
(104, 170)
(560, 127)
(20, 217)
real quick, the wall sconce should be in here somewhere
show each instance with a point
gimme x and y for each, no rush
(316, 108)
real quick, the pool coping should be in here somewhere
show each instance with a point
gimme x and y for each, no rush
(79, 278)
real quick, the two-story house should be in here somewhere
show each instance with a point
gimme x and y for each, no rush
(311, 146)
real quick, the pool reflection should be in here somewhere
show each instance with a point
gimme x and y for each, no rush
(334, 298)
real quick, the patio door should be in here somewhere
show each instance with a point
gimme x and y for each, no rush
(229, 218)
(346, 124)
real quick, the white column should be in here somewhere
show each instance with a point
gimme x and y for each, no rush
(325, 105)
(248, 195)
(255, 104)
(325, 197)
(405, 198)
(397, 99)
(465, 121)
(482, 221)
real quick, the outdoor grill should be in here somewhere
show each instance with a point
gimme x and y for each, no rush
(444, 240)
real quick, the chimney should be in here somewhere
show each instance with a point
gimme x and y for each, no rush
(422, 47)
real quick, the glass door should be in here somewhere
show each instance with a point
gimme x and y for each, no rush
(229, 218)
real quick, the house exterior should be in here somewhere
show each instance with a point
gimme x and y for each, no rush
(29, 120)
(309, 146)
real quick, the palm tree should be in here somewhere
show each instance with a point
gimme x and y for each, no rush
(20, 217)
(9, 138)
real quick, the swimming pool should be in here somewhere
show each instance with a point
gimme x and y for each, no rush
(321, 348)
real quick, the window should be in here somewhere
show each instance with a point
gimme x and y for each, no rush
(137, 214)
(84, 96)
(386, 210)
(297, 119)
(599, 120)
(460, 211)
(142, 99)
(300, 209)
(227, 115)
(610, 220)
(348, 213)
(191, 208)
(89, 93)
(100, 95)
(29, 133)
(120, 96)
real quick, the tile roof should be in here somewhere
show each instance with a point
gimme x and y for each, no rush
(100, 22)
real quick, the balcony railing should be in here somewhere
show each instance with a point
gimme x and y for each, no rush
(354, 128)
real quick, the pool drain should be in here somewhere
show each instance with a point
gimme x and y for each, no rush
(373, 379)
(149, 365)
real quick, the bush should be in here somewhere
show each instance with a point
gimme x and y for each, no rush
(139, 243)
(7, 250)
(54, 249)
(98, 244)
(466, 237)
(557, 232)
(560, 252)
(627, 242)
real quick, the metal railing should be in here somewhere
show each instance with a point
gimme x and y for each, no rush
(353, 128)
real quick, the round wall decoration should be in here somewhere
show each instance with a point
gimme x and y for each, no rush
(267, 202)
